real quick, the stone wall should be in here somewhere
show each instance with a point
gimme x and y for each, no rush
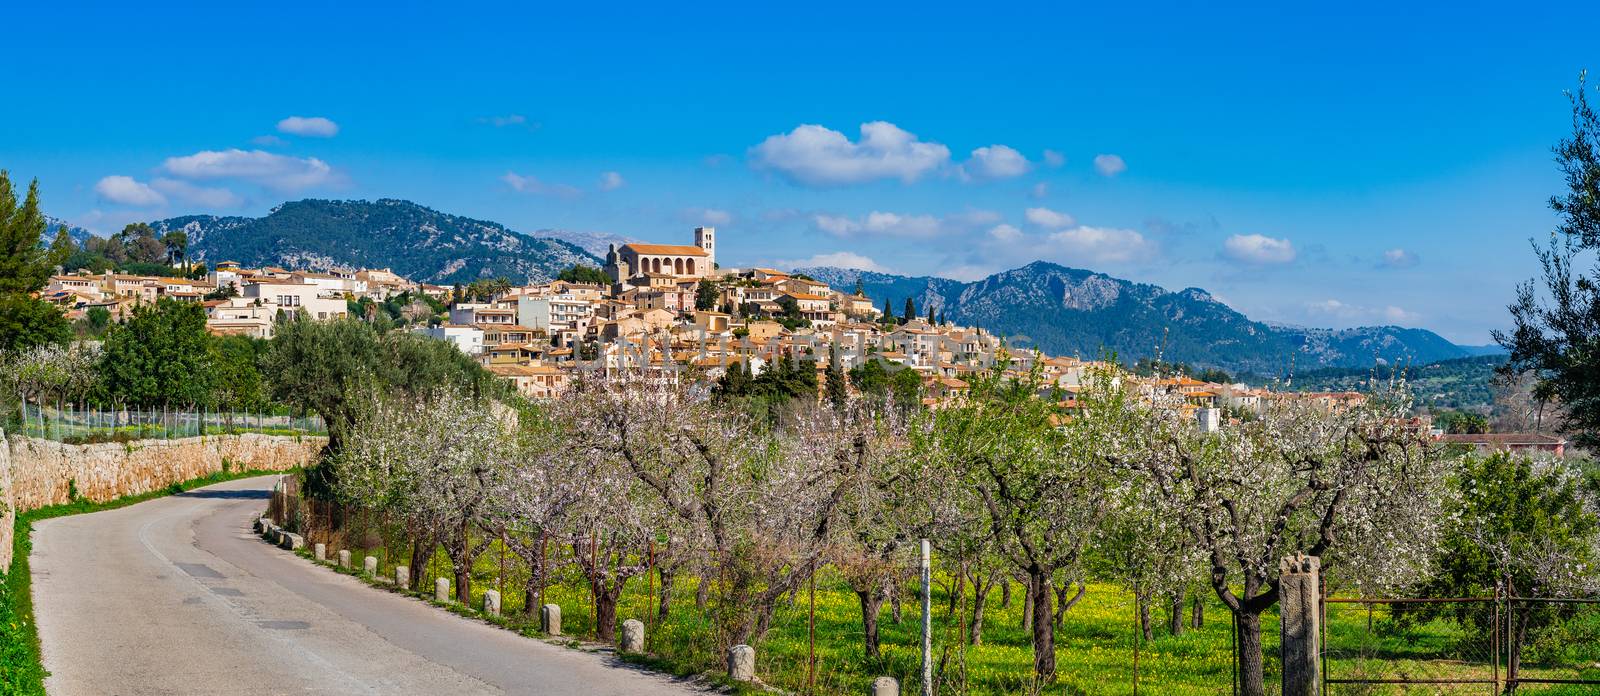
(43, 471)
(8, 516)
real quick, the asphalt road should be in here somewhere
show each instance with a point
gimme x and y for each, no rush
(176, 596)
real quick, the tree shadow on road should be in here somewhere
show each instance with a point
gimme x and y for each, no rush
(228, 495)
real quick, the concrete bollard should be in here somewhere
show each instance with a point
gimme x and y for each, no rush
(742, 663)
(369, 565)
(441, 589)
(884, 686)
(632, 636)
(292, 542)
(550, 619)
(320, 551)
(491, 602)
(344, 558)
(260, 525)
(402, 577)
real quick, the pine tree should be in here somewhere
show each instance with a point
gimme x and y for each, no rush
(22, 263)
(61, 249)
(837, 394)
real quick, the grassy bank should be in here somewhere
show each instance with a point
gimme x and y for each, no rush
(20, 669)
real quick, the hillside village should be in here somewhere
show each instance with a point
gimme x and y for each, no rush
(660, 305)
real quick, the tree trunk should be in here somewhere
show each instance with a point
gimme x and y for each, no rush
(463, 582)
(605, 612)
(667, 580)
(1144, 619)
(702, 592)
(980, 597)
(1252, 678)
(1005, 593)
(871, 605)
(1197, 614)
(893, 590)
(958, 586)
(1027, 605)
(419, 563)
(1044, 634)
(1175, 614)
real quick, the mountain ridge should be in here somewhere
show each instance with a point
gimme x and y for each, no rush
(408, 238)
(1077, 312)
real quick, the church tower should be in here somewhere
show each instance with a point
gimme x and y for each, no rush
(616, 267)
(705, 238)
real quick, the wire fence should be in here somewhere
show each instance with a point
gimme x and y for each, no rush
(79, 423)
(1498, 644)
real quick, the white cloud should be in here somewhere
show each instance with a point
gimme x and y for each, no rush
(1109, 165)
(1054, 159)
(532, 185)
(878, 223)
(198, 195)
(611, 181)
(813, 155)
(309, 126)
(1039, 190)
(125, 190)
(1258, 249)
(1005, 233)
(1398, 258)
(995, 162)
(840, 259)
(1048, 219)
(1344, 313)
(267, 141)
(1102, 245)
(707, 216)
(272, 170)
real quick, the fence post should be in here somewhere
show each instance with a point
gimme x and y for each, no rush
(927, 620)
(1298, 598)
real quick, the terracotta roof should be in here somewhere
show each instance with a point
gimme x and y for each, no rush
(666, 249)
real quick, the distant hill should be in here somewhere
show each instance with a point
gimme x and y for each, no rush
(78, 234)
(1069, 311)
(1457, 383)
(415, 241)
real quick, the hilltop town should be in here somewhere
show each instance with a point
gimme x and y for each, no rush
(652, 305)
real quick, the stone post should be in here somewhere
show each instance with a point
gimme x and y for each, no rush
(491, 602)
(742, 663)
(884, 686)
(1301, 630)
(344, 558)
(633, 636)
(320, 551)
(402, 577)
(550, 619)
(441, 590)
(369, 565)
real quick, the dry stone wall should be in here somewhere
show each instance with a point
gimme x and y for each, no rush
(43, 472)
(8, 515)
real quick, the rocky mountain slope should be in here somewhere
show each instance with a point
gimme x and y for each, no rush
(415, 241)
(1069, 311)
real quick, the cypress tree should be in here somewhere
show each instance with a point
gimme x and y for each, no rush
(911, 310)
(888, 310)
(837, 395)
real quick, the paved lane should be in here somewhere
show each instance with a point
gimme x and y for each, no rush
(176, 596)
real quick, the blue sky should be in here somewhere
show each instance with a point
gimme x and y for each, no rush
(1356, 165)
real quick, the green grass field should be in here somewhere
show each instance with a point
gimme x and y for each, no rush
(1095, 642)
